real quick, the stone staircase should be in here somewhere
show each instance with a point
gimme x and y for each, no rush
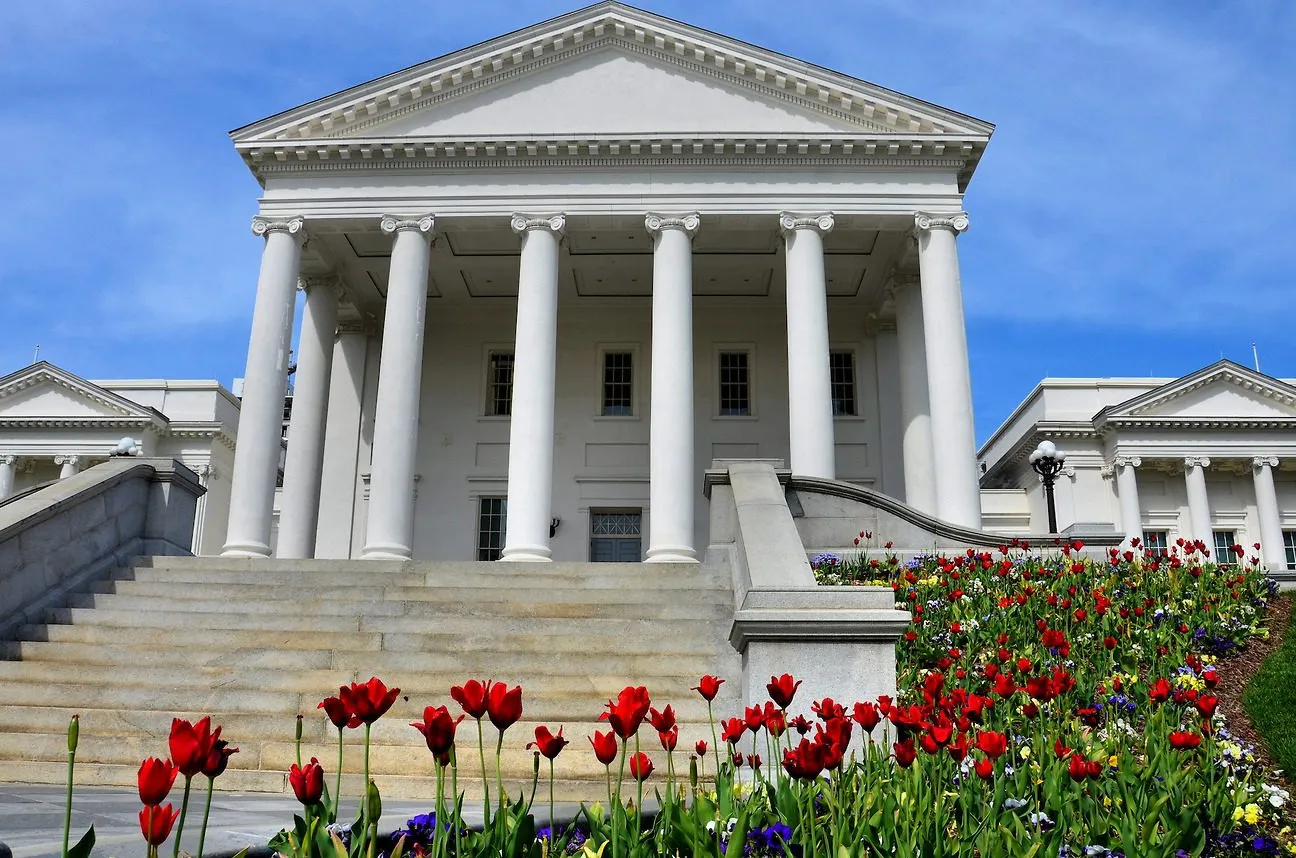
(255, 642)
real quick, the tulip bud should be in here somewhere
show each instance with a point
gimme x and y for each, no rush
(693, 775)
(535, 763)
(300, 717)
(74, 733)
(374, 803)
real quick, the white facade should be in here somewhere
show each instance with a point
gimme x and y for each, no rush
(534, 266)
(54, 424)
(1210, 456)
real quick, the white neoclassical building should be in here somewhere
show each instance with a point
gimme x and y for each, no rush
(552, 276)
(1209, 456)
(53, 424)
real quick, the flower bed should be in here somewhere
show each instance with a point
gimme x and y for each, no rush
(1048, 705)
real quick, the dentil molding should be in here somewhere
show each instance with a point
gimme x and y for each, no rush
(789, 222)
(687, 223)
(955, 223)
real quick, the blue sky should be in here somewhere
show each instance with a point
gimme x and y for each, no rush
(1133, 215)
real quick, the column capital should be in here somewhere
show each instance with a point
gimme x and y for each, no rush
(955, 223)
(309, 282)
(1258, 462)
(293, 226)
(8, 459)
(392, 224)
(521, 223)
(900, 281)
(790, 221)
(687, 223)
(67, 460)
(1196, 462)
(1123, 461)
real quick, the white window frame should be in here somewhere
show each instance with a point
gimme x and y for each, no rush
(636, 412)
(725, 348)
(484, 381)
(853, 351)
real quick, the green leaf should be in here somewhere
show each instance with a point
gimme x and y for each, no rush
(84, 845)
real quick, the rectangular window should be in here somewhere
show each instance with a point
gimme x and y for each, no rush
(735, 384)
(499, 384)
(491, 518)
(615, 535)
(1289, 547)
(618, 384)
(1224, 542)
(841, 371)
(1154, 542)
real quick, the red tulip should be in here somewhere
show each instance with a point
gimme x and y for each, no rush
(368, 701)
(472, 697)
(800, 724)
(782, 689)
(504, 706)
(775, 720)
(191, 744)
(754, 718)
(663, 720)
(827, 709)
(1160, 691)
(804, 762)
(438, 729)
(708, 687)
(338, 713)
(867, 715)
(156, 777)
(605, 747)
(1206, 704)
(984, 769)
(307, 781)
(700, 748)
(731, 731)
(992, 744)
(218, 759)
(668, 738)
(548, 744)
(1184, 741)
(156, 822)
(958, 749)
(905, 753)
(628, 711)
(640, 766)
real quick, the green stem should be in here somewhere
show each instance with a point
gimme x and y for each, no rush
(67, 804)
(551, 804)
(202, 832)
(454, 788)
(638, 794)
(152, 850)
(618, 809)
(184, 809)
(499, 769)
(438, 841)
(481, 753)
(337, 794)
(715, 744)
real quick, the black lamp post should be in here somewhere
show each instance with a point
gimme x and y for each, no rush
(1048, 461)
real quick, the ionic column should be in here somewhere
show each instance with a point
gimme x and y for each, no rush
(299, 507)
(205, 474)
(810, 417)
(671, 468)
(1127, 494)
(949, 382)
(1271, 537)
(336, 530)
(1198, 502)
(69, 466)
(915, 406)
(260, 436)
(389, 532)
(8, 474)
(531, 425)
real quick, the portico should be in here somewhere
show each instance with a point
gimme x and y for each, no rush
(523, 308)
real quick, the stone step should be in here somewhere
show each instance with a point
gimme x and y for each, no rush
(522, 607)
(495, 661)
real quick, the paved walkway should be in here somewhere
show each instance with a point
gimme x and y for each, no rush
(31, 820)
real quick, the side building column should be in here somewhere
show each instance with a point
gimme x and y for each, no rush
(810, 417)
(389, 532)
(1127, 494)
(672, 473)
(336, 529)
(531, 424)
(8, 474)
(299, 507)
(260, 436)
(915, 405)
(1272, 549)
(1198, 501)
(949, 381)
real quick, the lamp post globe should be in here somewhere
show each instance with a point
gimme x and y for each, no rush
(1048, 461)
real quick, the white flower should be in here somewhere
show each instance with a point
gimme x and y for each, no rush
(1014, 803)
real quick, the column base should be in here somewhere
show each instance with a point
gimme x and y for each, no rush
(245, 549)
(386, 552)
(526, 554)
(671, 554)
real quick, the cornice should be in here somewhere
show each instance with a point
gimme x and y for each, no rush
(1111, 425)
(123, 422)
(81, 389)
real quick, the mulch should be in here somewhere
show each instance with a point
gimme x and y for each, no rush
(1235, 674)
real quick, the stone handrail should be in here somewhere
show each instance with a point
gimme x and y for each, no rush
(64, 536)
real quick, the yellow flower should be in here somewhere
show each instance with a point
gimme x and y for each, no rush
(1113, 761)
(1025, 752)
(1252, 813)
(1107, 802)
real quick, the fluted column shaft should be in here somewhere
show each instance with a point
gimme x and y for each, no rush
(8, 474)
(260, 436)
(1198, 501)
(1271, 537)
(389, 531)
(1127, 494)
(915, 406)
(531, 426)
(810, 417)
(949, 381)
(671, 467)
(303, 469)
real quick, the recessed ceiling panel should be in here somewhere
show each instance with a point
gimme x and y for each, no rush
(369, 245)
(491, 278)
(845, 274)
(379, 280)
(484, 242)
(850, 241)
(733, 275)
(720, 240)
(582, 242)
(618, 275)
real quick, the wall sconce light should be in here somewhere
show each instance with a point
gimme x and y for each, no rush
(553, 526)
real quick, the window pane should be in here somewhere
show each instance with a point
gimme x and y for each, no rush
(1224, 541)
(735, 384)
(618, 381)
(1154, 542)
(1289, 547)
(491, 519)
(499, 385)
(615, 536)
(841, 370)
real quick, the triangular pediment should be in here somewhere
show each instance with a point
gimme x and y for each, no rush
(610, 70)
(1222, 391)
(45, 392)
